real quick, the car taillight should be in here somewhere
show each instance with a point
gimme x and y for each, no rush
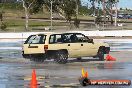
(45, 47)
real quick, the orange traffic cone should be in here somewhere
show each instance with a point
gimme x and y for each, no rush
(33, 83)
(86, 74)
(84, 80)
(110, 58)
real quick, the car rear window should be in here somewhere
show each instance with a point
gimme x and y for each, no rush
(36, 39)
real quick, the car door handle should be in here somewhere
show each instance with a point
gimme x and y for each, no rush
(81, 44)
(68, 44)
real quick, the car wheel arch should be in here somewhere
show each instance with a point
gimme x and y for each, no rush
(65, 50)
(101, 48)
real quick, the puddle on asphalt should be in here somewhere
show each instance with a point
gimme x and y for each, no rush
(17, 80)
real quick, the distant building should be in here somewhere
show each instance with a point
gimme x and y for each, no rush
(7, 1)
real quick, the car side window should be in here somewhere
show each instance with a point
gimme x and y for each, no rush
(74, 38)
(56, 38)
(51, 39)
(65, 38)
(68, 38)
(42, 39)
(59, 39)
(82, 38)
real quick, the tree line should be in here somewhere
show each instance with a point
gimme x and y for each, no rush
(67, 8)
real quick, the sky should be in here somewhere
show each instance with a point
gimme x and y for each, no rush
(125, 4)
(122, 3)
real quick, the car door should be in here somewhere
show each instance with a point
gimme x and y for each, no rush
(87, 48)
(74, 49)
(62, 41)
(73, 46)
(34, 44)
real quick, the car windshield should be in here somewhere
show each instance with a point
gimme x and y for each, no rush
(36, 39)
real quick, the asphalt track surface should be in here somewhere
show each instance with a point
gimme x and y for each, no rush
(15, 71)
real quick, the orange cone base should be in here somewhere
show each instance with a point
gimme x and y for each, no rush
(110, 58)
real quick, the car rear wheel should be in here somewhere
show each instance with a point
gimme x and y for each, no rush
(61, 57)
(101, 54)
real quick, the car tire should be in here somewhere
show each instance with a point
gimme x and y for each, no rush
(101, 54)
(61, 57)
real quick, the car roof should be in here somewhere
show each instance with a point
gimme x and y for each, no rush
(51, 33)
(46, 33)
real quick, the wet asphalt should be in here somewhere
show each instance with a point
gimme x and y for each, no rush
(15, 71)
